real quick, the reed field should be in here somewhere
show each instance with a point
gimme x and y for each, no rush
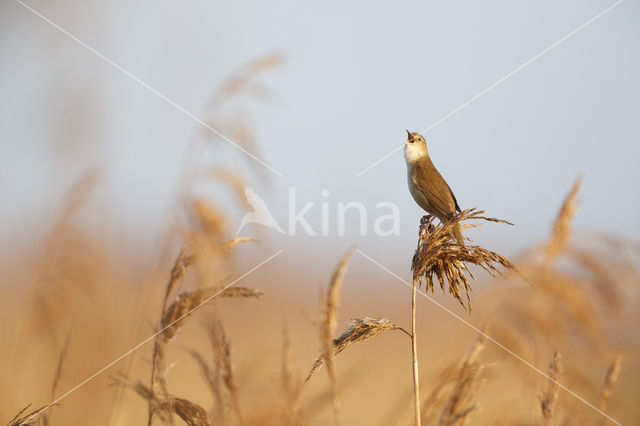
(209, 329)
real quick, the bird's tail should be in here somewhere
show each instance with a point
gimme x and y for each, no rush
(457, 234)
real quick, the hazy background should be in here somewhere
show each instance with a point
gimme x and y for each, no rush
(356, 75)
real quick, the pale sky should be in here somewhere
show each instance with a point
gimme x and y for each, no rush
(356, 75)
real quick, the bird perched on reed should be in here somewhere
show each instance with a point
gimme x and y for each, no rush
(427, 186)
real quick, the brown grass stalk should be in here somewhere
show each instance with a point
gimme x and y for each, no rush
(233, 180)
(358, 331)
(173, 318)
(439, 395)
(162, 407)
(210, 376)
(176, 314)
(243, 82)
(607, 387)
(178, 271)
(438, 256)
(59, 369)
(466, 384)
(46, 417)
(550, 395)
(223, 363)
(28, 419)
(34, 416)
(414, 356)
(327, 330)
(291, 386)
(158, 364)
(562, 225)
(232, 243)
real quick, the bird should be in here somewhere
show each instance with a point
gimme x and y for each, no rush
(427, 186)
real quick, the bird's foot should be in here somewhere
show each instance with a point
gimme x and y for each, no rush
(426, 219)
(426, 224)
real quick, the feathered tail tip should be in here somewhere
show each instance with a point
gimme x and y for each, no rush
(458, 234)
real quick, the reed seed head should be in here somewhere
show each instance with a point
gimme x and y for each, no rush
(358, 330)
(437, 256)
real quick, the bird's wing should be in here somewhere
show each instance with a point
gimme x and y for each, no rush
(458, 209)
(435, 189)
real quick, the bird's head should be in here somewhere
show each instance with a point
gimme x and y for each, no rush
(415, 147)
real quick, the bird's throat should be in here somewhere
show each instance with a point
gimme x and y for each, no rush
(414, 154)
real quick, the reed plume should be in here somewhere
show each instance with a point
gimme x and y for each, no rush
(562, 225)
(607, 387)
(358, 331)
(223, 363)
(169, 315)
(172, 319)
(291, 386)
(437, 256)
(46, 417)
(163, 406)
(327, 329)
(210, 374)
(35, 416)
(179, 310)
(550, 395)
(243, 83)
(466, 382)
(28, 419)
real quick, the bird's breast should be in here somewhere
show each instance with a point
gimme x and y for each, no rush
(417, 195)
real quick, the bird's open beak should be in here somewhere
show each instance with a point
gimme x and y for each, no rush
(409, 138)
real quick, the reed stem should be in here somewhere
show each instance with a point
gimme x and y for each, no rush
(414, 356)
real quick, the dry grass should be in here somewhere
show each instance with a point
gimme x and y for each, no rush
(358, 331)
(550, 395)
(27, 419)
(562, 226)
(561, 303)
(172, 319)
(186, 301)
(210, 374)
(41, 414)
(573, 295)
(161, 407)
(582, 302)
(223, 364)
(327, 329)
(455, 391)
(609, 381)
(292, 386)
(438, 256)
(223, 113)
(46, 417)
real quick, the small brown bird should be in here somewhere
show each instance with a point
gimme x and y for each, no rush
(426, 184)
